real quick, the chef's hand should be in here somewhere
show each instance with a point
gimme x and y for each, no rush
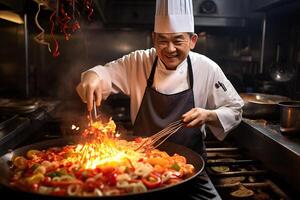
(89, 87)
(196, 117)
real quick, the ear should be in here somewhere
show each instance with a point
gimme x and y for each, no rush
(194, 39)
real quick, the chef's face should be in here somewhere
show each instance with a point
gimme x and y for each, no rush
(173, 48)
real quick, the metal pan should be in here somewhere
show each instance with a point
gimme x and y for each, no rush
(192, 157)
(259, 105)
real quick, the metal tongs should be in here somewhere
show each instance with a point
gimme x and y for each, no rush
(93, 113)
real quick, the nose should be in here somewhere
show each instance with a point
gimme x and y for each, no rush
(171, 47)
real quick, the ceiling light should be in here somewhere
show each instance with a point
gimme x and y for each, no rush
(11, 16)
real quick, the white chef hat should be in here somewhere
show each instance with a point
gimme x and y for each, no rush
(174, 16)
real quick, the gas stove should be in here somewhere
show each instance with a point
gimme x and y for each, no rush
(20, 119)
(279, 152)
(238, 176)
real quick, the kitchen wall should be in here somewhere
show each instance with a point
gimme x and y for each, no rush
(93, 44)
(283, 31)
(235, 49)
(87, 48)
(12, 59)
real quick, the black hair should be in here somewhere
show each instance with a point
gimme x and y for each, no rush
(190, 34)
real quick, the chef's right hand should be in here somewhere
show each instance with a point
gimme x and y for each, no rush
(90, 87)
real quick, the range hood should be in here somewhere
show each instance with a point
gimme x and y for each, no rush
(219, 13)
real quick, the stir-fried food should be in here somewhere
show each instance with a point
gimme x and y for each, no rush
(101, 167)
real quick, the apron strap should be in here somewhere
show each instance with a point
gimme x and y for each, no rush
(190, 71)
(191, 77)
(151, 77)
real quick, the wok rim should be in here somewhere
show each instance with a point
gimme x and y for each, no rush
(251, 98)
(5, 159)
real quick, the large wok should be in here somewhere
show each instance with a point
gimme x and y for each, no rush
(259, 105)
(171, 148)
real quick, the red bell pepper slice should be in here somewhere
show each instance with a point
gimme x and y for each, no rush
(152, 181)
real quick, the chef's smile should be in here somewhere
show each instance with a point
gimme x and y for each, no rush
(173, 48)
(171, 56)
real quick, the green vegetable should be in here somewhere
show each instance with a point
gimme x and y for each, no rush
(175, 166)
(56, 173)
(34, 166)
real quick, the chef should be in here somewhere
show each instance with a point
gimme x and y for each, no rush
(169, 82)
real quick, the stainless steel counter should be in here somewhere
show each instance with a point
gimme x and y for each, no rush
(279, 153)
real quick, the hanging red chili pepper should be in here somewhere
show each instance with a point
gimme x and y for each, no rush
(65, 16)
(55, 52)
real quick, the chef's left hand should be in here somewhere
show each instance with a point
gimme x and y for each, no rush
(196, 117)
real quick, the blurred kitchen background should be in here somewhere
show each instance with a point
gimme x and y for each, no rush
(250, 40)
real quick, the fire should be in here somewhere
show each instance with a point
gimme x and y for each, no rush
(103, 147)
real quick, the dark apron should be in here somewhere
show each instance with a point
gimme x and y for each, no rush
(157, 110)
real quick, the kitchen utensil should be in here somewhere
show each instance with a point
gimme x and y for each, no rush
(281, 72)
(92, 115)
(290, 116)
(158, 138)
(259, 105)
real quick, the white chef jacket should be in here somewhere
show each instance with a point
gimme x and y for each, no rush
(129, 75)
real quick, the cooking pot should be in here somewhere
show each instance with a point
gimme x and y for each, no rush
(289, 116)
(259, 105)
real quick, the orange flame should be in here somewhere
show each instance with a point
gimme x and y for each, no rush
(104, 147)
